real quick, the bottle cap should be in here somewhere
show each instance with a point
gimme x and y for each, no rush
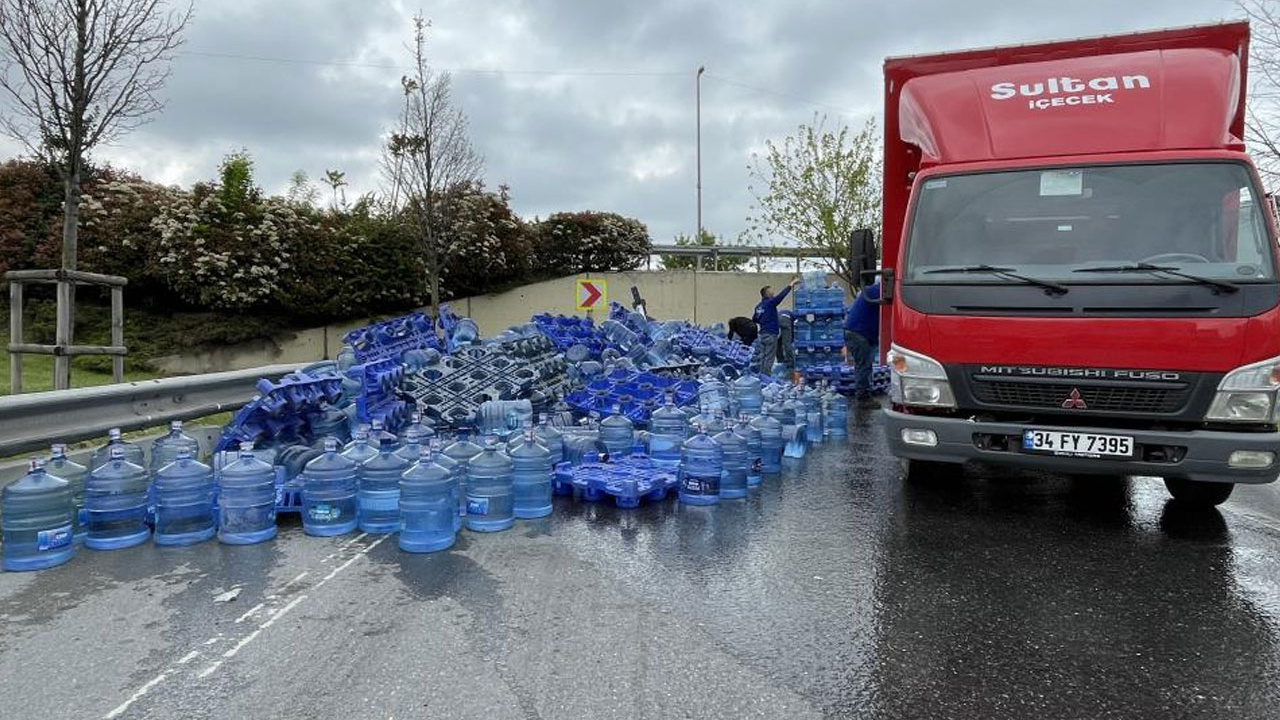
(59, 450)
(246, 449)
(36, 465)
(330, 444)
(175, 425)
(113, 434)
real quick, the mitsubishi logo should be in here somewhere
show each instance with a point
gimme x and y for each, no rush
(1074, 401)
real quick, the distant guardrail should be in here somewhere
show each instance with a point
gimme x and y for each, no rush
(34, 420)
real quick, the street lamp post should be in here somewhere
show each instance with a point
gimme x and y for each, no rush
(697, 239)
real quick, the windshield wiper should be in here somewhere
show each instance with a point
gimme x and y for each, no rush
(1219, 286)
(1050, 288)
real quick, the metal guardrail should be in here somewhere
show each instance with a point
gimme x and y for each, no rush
(34, 420)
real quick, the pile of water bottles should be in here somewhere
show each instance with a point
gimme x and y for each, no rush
(348, 448)
(817, 322)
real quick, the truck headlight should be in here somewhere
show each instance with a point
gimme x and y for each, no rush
(918, 380)
(1248, 394)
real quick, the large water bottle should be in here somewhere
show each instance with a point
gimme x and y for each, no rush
(132, 453)
(459, 472)
(428, 505)
(701, 467)
(246, 500)
(168, 447)
(413, 445)
(36, 521)
(378, 498)
(490, 495)
(362, 448)
(755, 449)
(710, 423)
(667, 431)
(115, 496)
(747, 394)
(771, 444)
(74, 473)
(184, 501)
(617, 433)
(836, 407)
(417, 427)
(460, 452)
(550, 438)
(379, 436)
(531, 478)
(329, 493)
(713, 396)
(734, 456)
(811, 400)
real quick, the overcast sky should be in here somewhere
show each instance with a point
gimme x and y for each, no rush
(575, 104)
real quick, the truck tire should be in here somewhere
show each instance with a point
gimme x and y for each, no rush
(929, 471)
(1201, 494)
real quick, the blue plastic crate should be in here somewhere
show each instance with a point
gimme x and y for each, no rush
(628, 480)
(391, 339)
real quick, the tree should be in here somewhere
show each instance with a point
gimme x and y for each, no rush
(336, 179)
(1262, 119)
(727, 263)
(79, 73)
(816, 188)
(427, 155)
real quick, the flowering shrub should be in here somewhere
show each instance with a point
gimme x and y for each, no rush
(487, 245)
(590, 242)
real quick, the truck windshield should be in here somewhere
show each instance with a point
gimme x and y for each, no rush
(1202, 221)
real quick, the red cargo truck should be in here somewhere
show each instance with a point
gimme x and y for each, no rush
(1080, 268)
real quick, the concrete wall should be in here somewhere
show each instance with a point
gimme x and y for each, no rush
(703, 297)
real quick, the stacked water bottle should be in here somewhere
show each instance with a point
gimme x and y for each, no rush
(818, 325)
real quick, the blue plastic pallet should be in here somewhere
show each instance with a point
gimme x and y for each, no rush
(279, 411)
(628, 480)
(379, 393)
(638, 394)
(391, 339)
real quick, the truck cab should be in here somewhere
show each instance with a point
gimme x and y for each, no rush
(1081, 262)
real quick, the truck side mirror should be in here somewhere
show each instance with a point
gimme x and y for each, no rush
(862, 251)
(886, 284)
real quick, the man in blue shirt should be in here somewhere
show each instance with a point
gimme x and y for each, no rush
(861, 333)
(766, 316)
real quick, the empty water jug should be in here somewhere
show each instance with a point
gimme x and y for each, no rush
(747, 394)
(771, 444)
(701, 467)
(168, 447)
(184, 501)
(531, 478)
(132, 452)
(379, 436)
(329, 493)
(755, 449)
(378, 497)
(115, 500)
(811, 400)
(460, 452)
(667, 431)
(74, 473)
(836, 414)
(551, 438)
(490, 495)
(246, 499)
(428, 505)
(617, 433)
(713, 395)
(36, 521)
(412, 446)
(734, 458)
(416, 427)
(362, 448)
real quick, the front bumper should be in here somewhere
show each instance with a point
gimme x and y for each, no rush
(1204, 457)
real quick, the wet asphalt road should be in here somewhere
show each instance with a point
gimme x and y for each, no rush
(835, 591)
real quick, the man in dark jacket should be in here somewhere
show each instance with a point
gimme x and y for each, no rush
(766, 316)
(861, 333)
(743, 328)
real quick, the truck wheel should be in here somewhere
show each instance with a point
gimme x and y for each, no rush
(927, 471)
(1193, 492)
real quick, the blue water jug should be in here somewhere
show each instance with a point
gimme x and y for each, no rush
(329, 493)
(460, 452)
(132, 452)
(713, 396)
(413, 446)
(747, 394)
(617, 433)
(378, 498)
(115, 498)
(490, 495)
(771, 444)
(380, 436)
(246, 499)
(167, 447)
(531, 478)
(60, 466)
(701, 467)
(184, 501)
(551, 438)
(836, 407)
(755, 449)
(362, 448)
(667, 431)
(417, 427)
(36, 521)
(811, 400)
(428, 505)
(733, 453)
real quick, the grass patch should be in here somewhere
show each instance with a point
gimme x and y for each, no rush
(37, 371)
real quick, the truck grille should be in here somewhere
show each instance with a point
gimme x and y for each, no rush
(1103, 398)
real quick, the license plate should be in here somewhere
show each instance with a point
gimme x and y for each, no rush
(1075, 444)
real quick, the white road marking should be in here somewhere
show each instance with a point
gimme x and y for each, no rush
(136, 696)
(243, 641)
(212, 640)
(250, 612)
(209, 670)
(189, 657)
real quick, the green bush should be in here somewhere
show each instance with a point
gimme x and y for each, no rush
(567, 243)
